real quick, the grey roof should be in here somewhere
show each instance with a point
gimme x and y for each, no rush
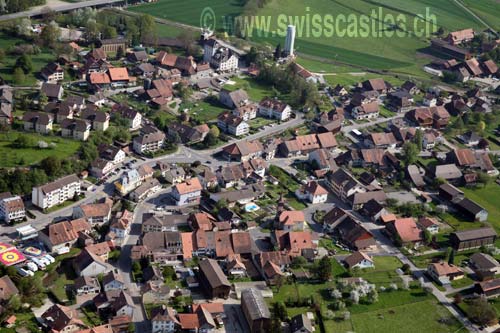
(470, 206)
(483, 261)
(59, 183)
(450, 189)
(51, 89)
(447, 171)
(164, 220)
(475, 234)
(254, 302)
(213, 273)
(344, 178)
(300, 323)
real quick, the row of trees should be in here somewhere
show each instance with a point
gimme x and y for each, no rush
(14, 6)
(103, 24)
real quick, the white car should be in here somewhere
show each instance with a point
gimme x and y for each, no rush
(23, 272)
(50, 258)
(39, 263)
(45, 261)
(32, 266)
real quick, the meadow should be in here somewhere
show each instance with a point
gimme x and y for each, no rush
(12, 157)
(384, 53)
(7, 66)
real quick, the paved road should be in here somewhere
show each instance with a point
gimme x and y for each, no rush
(59, 8)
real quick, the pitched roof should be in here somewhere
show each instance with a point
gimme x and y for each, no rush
(63, 232)
(291, 217)
(313, 188)
(190, 185)
(99, 78)
(484, 261)
(51, 90)
(355, 258)
(7, 288)
(407, 229)
(213, 273)
(256, 307)
(58, 317)
(472, 234)
(443, 268)
(118, 74)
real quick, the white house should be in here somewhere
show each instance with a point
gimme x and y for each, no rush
(120, 226)
(94, 213)
(112, 153)
(219, 57)
(149, 142)
(89, 264)
(113, 281)
(11, 207)
(359, 259)
(235, 125)
(312, 192)
(274, 109)
(365, 111)
(100, 167)
(87, 285)
(428, 224)
(56, 192)
(164, 320)
(187, 192)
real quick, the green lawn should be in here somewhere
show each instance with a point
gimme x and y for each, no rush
(259, 122)
(324, 67)
(488, 10)
(11, 157)
(464, 282)
(256, 91)
(205, 110)
(414, 318)
(384, 272)
(7, 67)
(189, 11)
(346, 79)
(488, 198)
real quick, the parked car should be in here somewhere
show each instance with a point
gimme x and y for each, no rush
(32, 266)
(39, 263)
(45, 261)
(50, 258)
(24, 272)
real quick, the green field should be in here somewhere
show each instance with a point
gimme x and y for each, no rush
(395, 53)
(410, 318)
(256, 91)
(7, 66)
(487, 197)
(189, 11)
(11, 157)
(488, 10)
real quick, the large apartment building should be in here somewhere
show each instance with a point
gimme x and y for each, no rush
(56, 192)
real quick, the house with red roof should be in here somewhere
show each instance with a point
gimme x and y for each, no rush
(290, 220)
(404, 231)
